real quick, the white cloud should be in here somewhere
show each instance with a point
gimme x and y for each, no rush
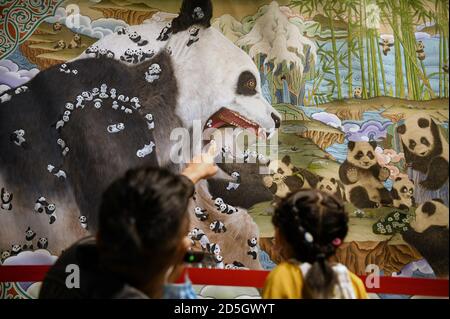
(81, 24)
(11, 76)
(37, 258)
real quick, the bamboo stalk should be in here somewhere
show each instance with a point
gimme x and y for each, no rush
(349, 53)
(335, 56)
(380, 57)
(361, 53)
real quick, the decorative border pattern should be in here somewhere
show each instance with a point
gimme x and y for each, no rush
(19, 19)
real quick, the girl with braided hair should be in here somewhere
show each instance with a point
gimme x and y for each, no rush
(309, 227)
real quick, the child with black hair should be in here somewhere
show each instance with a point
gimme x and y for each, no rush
(309, 226)
(141, 241)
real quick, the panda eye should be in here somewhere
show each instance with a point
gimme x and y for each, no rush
(280, 171)
(246, 84)
(370, 155)
(329, 188)
(412, 144)
(359, 155)
(404, 190)
(424, 141)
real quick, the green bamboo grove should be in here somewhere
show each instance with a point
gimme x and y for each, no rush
(363, 19)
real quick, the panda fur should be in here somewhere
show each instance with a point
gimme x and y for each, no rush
(402, 193)
(431, 213)
(425, 149)
(331, 186)
(253, 247)
(429, 235)
(286, 178)
(363, 177)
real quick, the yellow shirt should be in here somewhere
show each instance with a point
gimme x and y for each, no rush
(286, 282)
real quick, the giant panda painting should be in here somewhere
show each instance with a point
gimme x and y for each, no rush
(90, 89)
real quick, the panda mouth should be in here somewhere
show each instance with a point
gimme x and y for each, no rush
(228, 118)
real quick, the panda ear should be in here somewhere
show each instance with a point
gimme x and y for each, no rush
(438, 200)
(398, 179)
(373, 144)
(351, 145)
(401, 129)
(423, 123)
(286, 160)
(192, 12)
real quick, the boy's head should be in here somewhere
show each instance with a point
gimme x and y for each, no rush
(143, 224)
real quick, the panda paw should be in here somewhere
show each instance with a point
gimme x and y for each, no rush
(268, 181)
(352, 175)
(384, 174)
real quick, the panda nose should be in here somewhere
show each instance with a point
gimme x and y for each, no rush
(277, 120)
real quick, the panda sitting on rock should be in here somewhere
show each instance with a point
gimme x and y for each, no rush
(363, 177)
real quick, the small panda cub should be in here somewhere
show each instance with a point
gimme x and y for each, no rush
(30, 235)
(165, 32)
(199, 235)
(42, 205)
(234, 185)
(153, 73)
(201, 214)
(420, 50)
(18, 137)
(432, 213)
(217, 227)
(136, 38)
(403, 193)
(224, 208)
(235, 266)
(42, 243)
(285, 178)
(16, 249)
(363, 177)
(193, 35)
(214, 249)
(218, 259)
(83, 222)
(357, 93)
(6, 199)
(5, 255)
(331, 186)
(253, 247)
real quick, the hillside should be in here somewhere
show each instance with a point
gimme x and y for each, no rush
(39, 48)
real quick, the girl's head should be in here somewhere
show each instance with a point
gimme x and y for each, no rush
(310, 225)
(143, 224)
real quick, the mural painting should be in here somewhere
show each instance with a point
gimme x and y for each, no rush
(353, 96)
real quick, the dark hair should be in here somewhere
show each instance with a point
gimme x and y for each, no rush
(139, 222)
(312, 222)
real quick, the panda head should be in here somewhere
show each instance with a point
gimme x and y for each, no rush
(403, 188)
(223, 207)
(61, 43)
(418, 135)
(198, 210)
(281, 169)
(42, 240)
(83, 219)
(6, 196)
(20, 133)
(16, 248)
(329, 186)
(362, 154)
(212, 225)
(76, 37)
(432, 213)
(51, 207)
(134, 35)
(215, 249)
(420, 45)
(218, 201)
(253, 241)
(29, 232)
(5, 254)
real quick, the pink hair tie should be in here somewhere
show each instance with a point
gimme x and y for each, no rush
(337, 242)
